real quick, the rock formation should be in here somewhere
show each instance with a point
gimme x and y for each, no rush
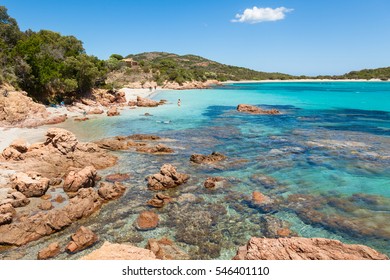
(166, 179)
(49, 252)
(165, 249)
(146, 220)
(159, 200)
(299, 248)
(109, 191)
(212, 158)
(113, 111)
(158, 149)
(82, 239)
(84, 178)
(119, 252)
(213, 182)
(31, 184)
(256, 110)
(117, 177)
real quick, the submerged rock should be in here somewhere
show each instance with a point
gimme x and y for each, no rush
(273, 227)
(213, 182)
(165, 249)
(299, 248)
(256, 110)
(166, 179)
(82, 239)
(158, 149)
(212, 158)
(49, 252)
(147, 220)
(120, 252)
(117, 177)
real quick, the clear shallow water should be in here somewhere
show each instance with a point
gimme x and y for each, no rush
(324, 161)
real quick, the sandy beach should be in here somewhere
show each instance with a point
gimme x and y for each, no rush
(300, 81)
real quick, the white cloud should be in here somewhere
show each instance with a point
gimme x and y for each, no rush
(256, 15)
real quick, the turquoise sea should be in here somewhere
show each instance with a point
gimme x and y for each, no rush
(324, 162)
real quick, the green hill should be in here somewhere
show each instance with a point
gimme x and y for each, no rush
(181, 68)
(378, 73)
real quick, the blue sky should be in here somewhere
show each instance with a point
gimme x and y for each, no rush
(308, 37)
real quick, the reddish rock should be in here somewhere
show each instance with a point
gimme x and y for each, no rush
(61, 139)
(6, 218)
(165, 249)
(145, 102)
(95, 111)
(49, 252)
(85, 178)
(31, 184)
(159, 149)
(213, 182)
(10, 153)
(273, 227)
(82, 239)
(212, 158)
(59, 199)
(46, 196)
(120, 252)
(86, 202)
(81, 119)
(256, 110)
(55, 181)
(17, 199)
(259, 198)
(167, 178)
(20, 145)
(147, 220)
(113, 111)
(159, 200)
(113, 144)
(144, 137)
(45, 205)
(299, 248)
(117, 177)
(109, 191)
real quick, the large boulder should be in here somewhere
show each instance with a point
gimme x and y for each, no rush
(167, 178)
(15, 150)
(299, 248)
(147, 220)
(165, 249)
(120, 252)
(256, 110)
(212, 158)
(109, 191)
(6, 213)
(63, 140)
(85, 178)
(31, 184)
(82, 239)
(113, 111)
(49, 252)
(145, 102)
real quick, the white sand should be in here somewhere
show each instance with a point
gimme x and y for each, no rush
(302, 81)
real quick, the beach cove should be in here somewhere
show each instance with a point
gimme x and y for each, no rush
(319, 168)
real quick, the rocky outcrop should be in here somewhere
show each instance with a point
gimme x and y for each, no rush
(58, 154)
(16, 199)
(159, 200)
(113, 111)
(109, 191)
(145, 102)
(256, 110)
(15, 150)
(158, 149)
(212, 158)
(31, 184)
(299, 248)
(82, 239)
(144, 137)
(95, 111)
(119, 252)
(117, 177)
(19, 110)
(85, 178)
(146, 220)
(166, 179)
(165, 249)
(6, 213)
(86, 202)
(49, 252)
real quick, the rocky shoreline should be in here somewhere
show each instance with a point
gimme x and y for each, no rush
(48, 186)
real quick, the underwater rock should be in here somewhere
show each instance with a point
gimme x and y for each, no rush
(299, 248)
(213, 182)
(144, 137)
(158, 149)
(82, 239)
(147, 220)
(49, 252)
(212, 158)
(273, 227)
(159, 200)
(45, 205)
(256, 110)
(109, 191)
(266, 181)
(84, 178)
(31, 184)
(165, 249)
(119, 252)
(117, 177)
(166, 179)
